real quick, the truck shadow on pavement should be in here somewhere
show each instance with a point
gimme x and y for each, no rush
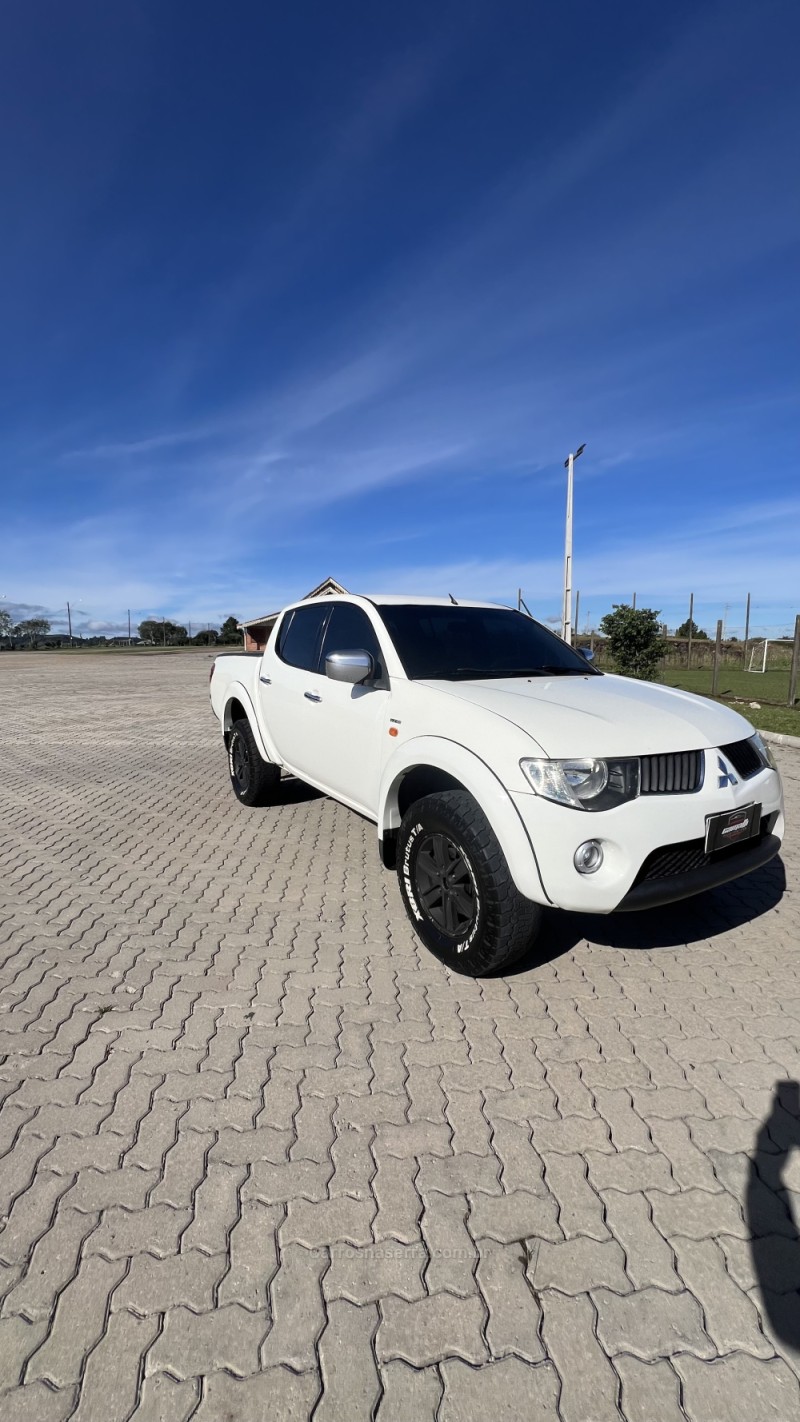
(774, 1233)
(677, 925)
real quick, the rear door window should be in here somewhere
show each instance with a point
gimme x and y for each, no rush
(300, 636)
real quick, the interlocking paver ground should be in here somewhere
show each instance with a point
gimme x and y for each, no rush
(261, 1156)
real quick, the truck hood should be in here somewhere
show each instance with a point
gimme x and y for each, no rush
(603, 716)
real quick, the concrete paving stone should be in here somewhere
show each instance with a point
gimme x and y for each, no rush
(458, 1174)
(416, 1138)
(353, 1164)
(580, 1209)
(651, 1324)
(576, 1265)
(298, 1311)
(52, 1264)
(351, 1385)
(234, 1147)
(155, 1230)
(649, 1391)
(156, 1285)
(589, 1385)
(408, 1393)
(536, 1104)
(114, 1368)
(291, 1180)
(183, 1168)
(365, 1275)
(338, 1221)
(522, 1166)
(649, 1259)
(697, 1214)
(434, 1328)
(215, 1208)
(518, 1216)
(19, 1339)
(275, 1393)
(451, 1250)
(253, 1256)
(165, 1399)
(506, 1391)
(514, 1313)
(96, 1190)
(380, 1109)
(739, 1388)
(192, 1344)
(399, 1204)
(471, 1131)
(730, 1134)
(630, 1170)
(38, 1403)
(572, 1136)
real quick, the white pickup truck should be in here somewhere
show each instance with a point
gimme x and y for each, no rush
(503, 771)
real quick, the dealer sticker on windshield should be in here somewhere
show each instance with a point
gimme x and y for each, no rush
(731, 827)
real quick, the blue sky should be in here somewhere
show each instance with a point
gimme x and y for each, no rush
(307, 290)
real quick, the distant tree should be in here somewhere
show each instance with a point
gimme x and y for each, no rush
(229, 631)
(634, 639)
(6, 622)
(162, 632)
(206, 638)
(690, 625)
(32, 628)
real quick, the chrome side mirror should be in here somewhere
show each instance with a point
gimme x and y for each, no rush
(351, 667)
(586, 653)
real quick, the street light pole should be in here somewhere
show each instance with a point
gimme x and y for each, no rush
(566, 620)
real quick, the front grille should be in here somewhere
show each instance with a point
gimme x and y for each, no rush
(680, 773)
(744, 758)
(674, 859)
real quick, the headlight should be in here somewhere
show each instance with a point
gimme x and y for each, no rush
(767, 758)
(584, 784)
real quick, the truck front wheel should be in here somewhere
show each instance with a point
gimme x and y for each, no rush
(253, 779)
(457, 888)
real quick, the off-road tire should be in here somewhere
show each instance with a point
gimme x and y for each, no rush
(253, 779)
(450, 827)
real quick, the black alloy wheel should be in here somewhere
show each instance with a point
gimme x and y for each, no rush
(445, 885)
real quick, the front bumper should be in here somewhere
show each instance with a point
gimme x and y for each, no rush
(632, 832)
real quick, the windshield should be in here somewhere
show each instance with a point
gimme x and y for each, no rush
(439, 642)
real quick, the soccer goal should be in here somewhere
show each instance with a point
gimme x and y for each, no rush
(758, 657)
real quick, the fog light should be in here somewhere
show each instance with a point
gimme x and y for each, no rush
(588, 857)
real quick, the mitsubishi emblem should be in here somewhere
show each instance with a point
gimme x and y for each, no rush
(726, 775)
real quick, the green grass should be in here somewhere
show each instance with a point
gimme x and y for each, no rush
(739, 688)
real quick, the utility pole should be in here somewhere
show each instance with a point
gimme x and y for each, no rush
(633, 604)
(746, 631)
(577, 613)
(164, 630)
(691, 621)
(566, 620)
(717, 658)
(69, 623)
(129, 627)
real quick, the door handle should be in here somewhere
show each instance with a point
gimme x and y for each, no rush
(267, 680)
(311, 696)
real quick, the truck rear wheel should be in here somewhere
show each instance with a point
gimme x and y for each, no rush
(457, 888)
(254, 780)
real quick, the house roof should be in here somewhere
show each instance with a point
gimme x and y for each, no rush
(324, 589)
